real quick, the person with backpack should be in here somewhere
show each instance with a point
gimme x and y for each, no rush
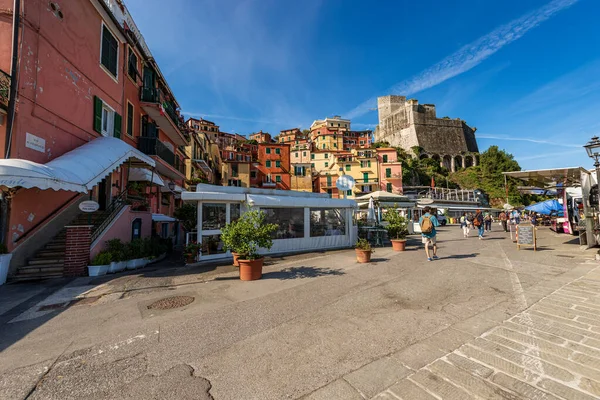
(488, 221)
(464, 224)
(478, 223)
(428, 223)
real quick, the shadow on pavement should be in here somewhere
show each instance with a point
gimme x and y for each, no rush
(379, 259)
(302, 272)
(460, 256)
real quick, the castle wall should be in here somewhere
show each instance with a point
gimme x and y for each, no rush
(410, 124)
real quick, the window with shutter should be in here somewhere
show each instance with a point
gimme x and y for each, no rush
(129, 130)
(117, 125)
(97, 114)
(278, 164)
(132, 65)
(109, 52)
(268, 164)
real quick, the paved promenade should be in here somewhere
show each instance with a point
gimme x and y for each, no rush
(485, 321)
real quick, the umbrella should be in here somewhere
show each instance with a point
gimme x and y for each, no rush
(546, 207)
(371, 210)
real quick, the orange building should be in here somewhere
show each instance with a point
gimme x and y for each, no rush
(273, 167)
(261, 137)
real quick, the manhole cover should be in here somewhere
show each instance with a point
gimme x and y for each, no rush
(171, 302)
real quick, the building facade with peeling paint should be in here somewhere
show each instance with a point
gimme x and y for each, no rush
(84, 72)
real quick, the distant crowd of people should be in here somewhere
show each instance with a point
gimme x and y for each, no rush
(480, 221)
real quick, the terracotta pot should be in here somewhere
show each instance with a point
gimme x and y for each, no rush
(236, 257)
(251, 270)
(363, 256)
(399, 244)
(189, 259)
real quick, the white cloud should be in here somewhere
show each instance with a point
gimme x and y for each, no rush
(522, 139)
(469, 56)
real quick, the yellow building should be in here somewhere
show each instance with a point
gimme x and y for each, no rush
(328, 133)
(235, 173)
(362, 165)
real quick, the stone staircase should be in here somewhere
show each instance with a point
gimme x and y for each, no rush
(48, 262)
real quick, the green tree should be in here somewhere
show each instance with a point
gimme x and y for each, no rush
(187, 214)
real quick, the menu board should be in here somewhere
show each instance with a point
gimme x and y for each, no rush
(526, 236)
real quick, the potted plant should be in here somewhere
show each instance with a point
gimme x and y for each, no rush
(363, 251)
(116, 248)
(246, 236)
(5, 257)
(397, 229)
(191, 252)
(229, 239)
(100, 264)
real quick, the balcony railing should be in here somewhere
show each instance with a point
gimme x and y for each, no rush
(367, 181)
(155, 95)
(154, 147)
(4, 89)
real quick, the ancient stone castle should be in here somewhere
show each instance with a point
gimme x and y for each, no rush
(408, 124)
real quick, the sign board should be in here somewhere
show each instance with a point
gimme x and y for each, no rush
(425, 201)
(34, 142)
(89, 206)
(526, 236)
(345, 182)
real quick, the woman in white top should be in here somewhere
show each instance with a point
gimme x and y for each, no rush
(464, 224)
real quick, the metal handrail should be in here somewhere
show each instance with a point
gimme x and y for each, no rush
(111, 211)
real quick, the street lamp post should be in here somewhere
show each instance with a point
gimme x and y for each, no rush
(593, 150)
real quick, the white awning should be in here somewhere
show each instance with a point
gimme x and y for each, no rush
(177, 189)
(212, 196)
(162, 218)
(79, 170)
(280, 201)
(145, 175)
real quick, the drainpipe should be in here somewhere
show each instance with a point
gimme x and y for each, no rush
(13, 74)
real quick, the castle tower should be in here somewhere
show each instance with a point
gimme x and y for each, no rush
(387, 105)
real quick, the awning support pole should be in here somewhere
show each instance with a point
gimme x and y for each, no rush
(150, 192)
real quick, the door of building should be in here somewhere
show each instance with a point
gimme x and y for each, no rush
(104, 193)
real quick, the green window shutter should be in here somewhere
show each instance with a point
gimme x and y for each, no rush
(278, 151)
(389, 187)
(349, 192)
(278, 164)
(117, 126)
(385, 158)
(278, 178)
(326, 164)
(268, 150)
(388, 172)
(348, 167)
(268, 164)
(97, 114)
(312, 156)
(369, 163)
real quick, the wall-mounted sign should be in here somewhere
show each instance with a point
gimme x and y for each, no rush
(35, 142)
(89, 206)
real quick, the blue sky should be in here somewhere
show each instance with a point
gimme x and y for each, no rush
(525, 73)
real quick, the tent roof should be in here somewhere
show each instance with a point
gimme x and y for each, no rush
(162, 218)
(381, 195)
(546, 207)
(570, 176)
(78, 170)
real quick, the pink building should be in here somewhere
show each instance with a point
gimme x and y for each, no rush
(94, 119)
(390, 170)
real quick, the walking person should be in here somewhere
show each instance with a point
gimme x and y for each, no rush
(478, 223)
(464, 224)
(488, 221)
(504, 220)
(428, 223)
(470, 220)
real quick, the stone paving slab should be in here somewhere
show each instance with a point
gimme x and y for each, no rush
(550, 350)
